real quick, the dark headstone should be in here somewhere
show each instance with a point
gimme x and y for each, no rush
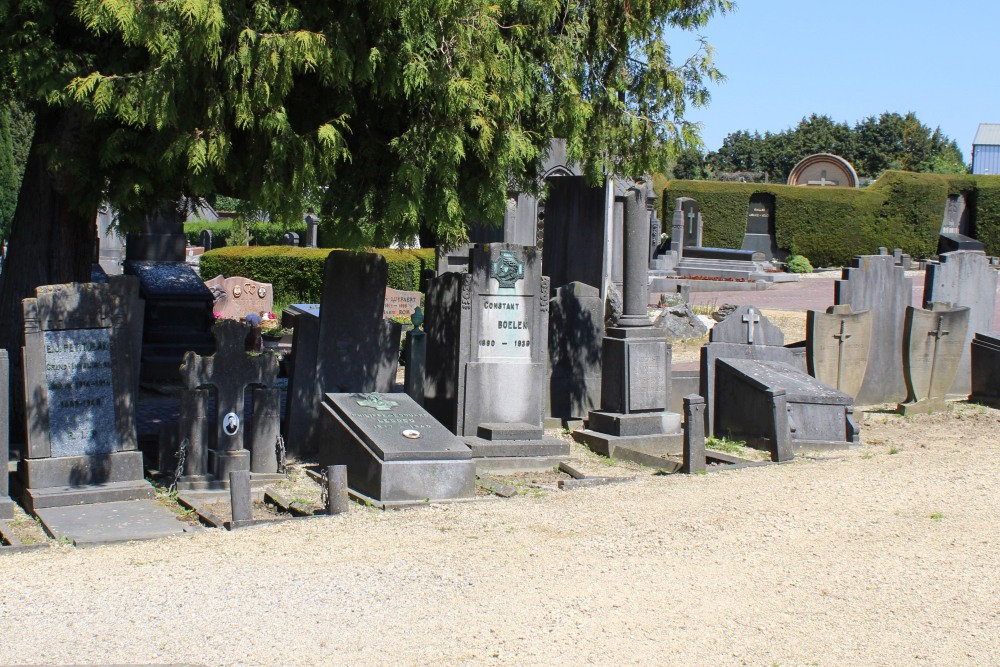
(963, 278)
(576, 329)
(312, 230)
(760, 234)
(206, 239)
(691, 232)
(354, 348)
(230, 371)
(933, 342)
(875, 283)
(956, 216)
(571, 220)
(178, 316)
(80, 398)
(161, 239)
(986, 369)
(395, 452)
(290, 238)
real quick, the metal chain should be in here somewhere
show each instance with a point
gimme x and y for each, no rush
(279, 446)
(324, 497)
(181, 459)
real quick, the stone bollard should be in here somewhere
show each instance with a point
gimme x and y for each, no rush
(336, 490)
(694, 434)
(239, 497)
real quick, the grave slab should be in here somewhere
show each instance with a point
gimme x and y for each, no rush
(112, 522)
(393, 449)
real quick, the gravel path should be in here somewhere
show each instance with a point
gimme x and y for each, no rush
(885, 555)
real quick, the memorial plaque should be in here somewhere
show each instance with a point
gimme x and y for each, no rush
(400, 303)
(237, 297)
(647, 390)
(78, 373)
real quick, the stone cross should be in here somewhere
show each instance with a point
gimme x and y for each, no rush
(691, 221)
(822, 180)
(938, 335)
(841, 338)
(751, 319)
(230, 370)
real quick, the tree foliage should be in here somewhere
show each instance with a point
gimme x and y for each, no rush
(400, 111)
(873, 145)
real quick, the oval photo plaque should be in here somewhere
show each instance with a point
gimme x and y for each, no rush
(411, 434)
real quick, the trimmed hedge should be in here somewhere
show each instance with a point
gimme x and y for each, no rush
(263, 233)
(830, 226)
(298, 272)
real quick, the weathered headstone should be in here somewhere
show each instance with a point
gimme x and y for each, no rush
(395, 452)
(231, 371)
(290, 238)
(963, 278)
(933, 341)
(237, 297)
(351, 349)
(760, 234)
(777, 407)
(576, 332)
(956, 218)
(416, 359)
(744, 334)
(487, 351)
(400, 303)
(691, 231)
(986, 369)
(81, 444)
(837, 344)
(875, 283)
(312, 230)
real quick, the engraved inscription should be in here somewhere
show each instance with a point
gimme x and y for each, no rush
(504, 327)
(80, 381)
(647, 372)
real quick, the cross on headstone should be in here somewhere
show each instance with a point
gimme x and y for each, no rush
(822, 180)
(938, 335)
(841, 337)
(751, 318)
(230, 370)
(690, 221)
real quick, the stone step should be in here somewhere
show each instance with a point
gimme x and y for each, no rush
(63, 496)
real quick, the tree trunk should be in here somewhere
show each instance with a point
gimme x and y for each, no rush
(51, 242)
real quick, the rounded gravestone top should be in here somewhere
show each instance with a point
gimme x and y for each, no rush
(824, 170)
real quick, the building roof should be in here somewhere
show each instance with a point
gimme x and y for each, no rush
(988, 134)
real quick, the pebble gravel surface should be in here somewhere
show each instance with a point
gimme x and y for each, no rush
(883, 555)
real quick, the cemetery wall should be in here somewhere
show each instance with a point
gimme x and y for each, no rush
(298, 272)
(831, 225)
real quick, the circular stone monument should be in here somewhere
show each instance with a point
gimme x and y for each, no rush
(824, 170)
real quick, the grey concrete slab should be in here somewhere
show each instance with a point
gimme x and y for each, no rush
(112, 522)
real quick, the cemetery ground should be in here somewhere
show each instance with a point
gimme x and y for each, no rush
(883, 555)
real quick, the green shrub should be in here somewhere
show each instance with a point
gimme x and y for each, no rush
(296, 274)
(262, 233)
(832, 225)
(799, 264)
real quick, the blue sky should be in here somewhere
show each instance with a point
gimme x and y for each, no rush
(850, 59)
